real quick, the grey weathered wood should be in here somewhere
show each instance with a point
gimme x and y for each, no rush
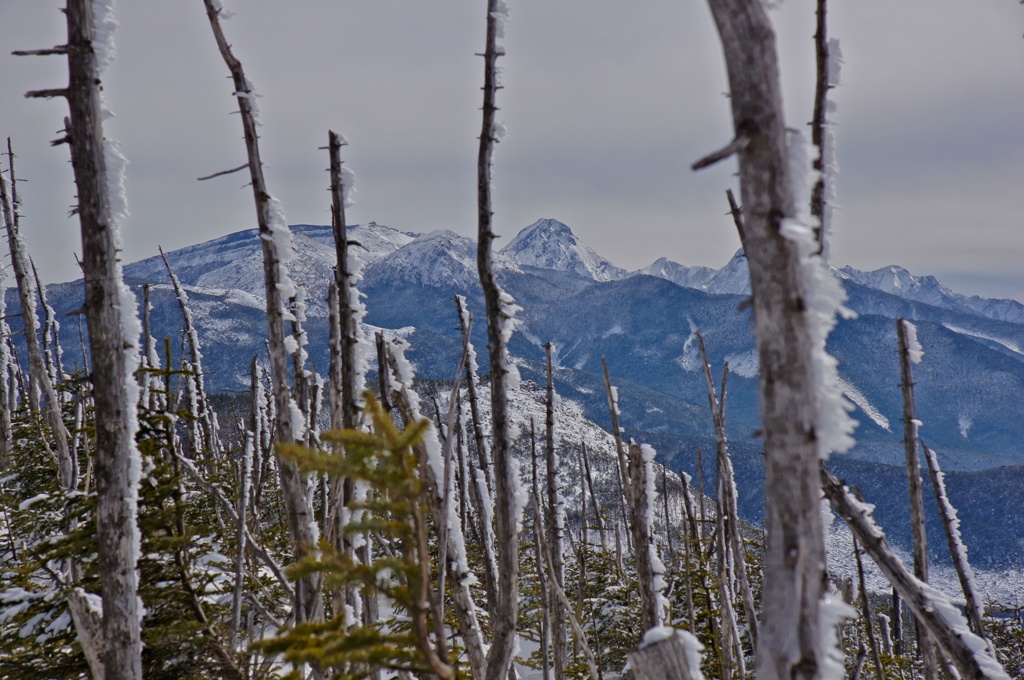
(665, 660)
(463, 604)
(643, 542)
(209, 440)
(947, 627)
(594, 500)
(40, 382)
(499, 658)
(116, 530)
(956, 547)
(865, 609)
(545, 597)
(788, 643)
(481, 484)
(89, 629)
(555, 517)
(818, 122)
(913, 465)
(728, 504)
(293, 485)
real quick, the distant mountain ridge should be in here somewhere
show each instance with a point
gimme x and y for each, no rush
(642, 322)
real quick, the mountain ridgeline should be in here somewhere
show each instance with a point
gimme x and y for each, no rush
(968, 386)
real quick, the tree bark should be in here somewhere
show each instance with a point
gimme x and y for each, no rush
(651, 614)
(499, 308)
(38, 376)
(308, 606)
(917, 524)
(555, 526)
(931, 608)
(956, 547)
(789, 634)
(674, 658)
(106, 298)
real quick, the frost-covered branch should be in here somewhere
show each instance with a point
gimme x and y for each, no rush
(795, 300)
(968, 652)
(276, 247)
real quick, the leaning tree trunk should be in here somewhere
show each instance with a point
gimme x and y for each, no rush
(947, 626)
(785, 325)
(910, 353)
(499, 307)
(113, 335)
(273, 230)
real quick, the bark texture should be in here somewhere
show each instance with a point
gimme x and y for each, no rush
(931, 608)
(293, 485)
(917, 525)
(117, 532)
(789, 633)
(496, 303)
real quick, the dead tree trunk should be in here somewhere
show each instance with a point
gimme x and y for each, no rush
(274, 237)
(728, 504)
(555, 526)
(789, 642)
(935, 612)
(598, 512)
(545, 597)
(113, 335)
(910, 353)
(204, 413)
(40, 383)
(641, 512)
(481, 484)
(500, 309)
(956, 547)
(865, 608)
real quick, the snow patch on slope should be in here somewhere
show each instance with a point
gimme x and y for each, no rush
(853, 393)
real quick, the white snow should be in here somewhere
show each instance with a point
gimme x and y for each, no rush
(914, 349)
(550, 244)
(853, 393)
(824, 297)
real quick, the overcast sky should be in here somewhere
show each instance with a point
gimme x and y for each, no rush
(607, 103)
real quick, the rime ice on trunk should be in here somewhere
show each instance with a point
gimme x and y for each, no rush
(398, 378)
(799, 408)
(910, 352)
(205, 417)
(113, 332)
(40, 378)
(947, 626)
(275, 243)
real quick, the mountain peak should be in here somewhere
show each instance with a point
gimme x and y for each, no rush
(550, 244)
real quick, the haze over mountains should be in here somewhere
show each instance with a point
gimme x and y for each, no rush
(969, 386)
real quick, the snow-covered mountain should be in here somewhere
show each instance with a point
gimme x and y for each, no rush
(550, 244)
(968, 386)
(679, 274)
(896, 280)
(440, 259)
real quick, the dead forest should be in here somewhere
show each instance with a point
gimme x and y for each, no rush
(362, 523)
